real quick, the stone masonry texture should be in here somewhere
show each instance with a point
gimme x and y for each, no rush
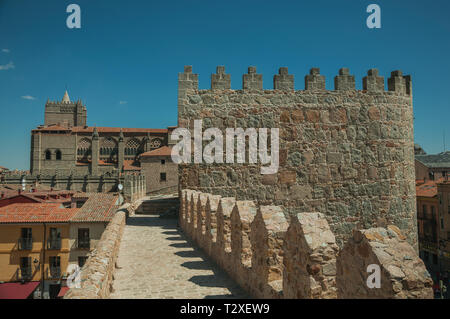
(345, 153)
(269, 257)
(156, 261)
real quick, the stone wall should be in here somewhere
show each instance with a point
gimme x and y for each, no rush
(270, 257)
(346, 153)
(96, 274)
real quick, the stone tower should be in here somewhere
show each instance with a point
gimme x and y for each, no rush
(65, 113)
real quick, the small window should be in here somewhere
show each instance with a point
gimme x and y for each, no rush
(82, 261)
(163, 161)
(448, 235)
(48, 155)
(58, 155)
(80, 203)
(426, 255)
(162, 177)
(55, 261)
(442, 223)
(26, 233)
(424, 210)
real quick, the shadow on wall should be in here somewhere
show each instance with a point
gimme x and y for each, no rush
(270, 257)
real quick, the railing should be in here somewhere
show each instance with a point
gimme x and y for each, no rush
(84, 243)
(24, 273)
(54, 272)
(54, 243)
(25, 243)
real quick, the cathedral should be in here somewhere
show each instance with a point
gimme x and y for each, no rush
(66, 153)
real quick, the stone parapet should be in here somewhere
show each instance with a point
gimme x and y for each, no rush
(270, 256)
(97, 273)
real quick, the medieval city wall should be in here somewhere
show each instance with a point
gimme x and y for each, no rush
(346, 153)
(134, 186)
(271, 257)
(96, 276)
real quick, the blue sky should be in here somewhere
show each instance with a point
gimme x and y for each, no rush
(132, 51)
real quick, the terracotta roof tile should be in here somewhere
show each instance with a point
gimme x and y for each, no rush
(36, 213)
(427, 188)
(90, 129)
(162, 151)
(100, 207)
(128, 165)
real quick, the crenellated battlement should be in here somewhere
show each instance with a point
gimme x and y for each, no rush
(270, 256)
(345, 153)
(314, 81)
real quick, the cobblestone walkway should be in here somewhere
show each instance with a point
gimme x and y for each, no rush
(156, 261)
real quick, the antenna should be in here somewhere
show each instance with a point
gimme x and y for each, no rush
(443, 137)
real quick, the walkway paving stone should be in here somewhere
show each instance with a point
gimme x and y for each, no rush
(157, 261)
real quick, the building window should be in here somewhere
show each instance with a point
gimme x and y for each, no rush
(133, 148)
(48, 155)
(80, 203)
(442, 223)
(82, 261)
(162, 177)
(435, 259)
(25, 272)
(424, 210)
(84, 150)
(83, 238)
(109, 150)
(55, 267)
(426, 255)
(163, 161)
(448, 235)
(26, 239)
(58, 155)
(54, 239)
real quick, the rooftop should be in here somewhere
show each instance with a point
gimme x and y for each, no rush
(100, 207)
(36, 213)
(162, 151)
(90, 129)
(435, 160)
(427, 188)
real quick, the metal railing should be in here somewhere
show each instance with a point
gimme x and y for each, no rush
(83, 243)
(54, 272)
(54, 243)
(25, 243)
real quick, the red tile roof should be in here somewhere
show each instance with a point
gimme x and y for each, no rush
(162, 151)
(427, 188)
(90, 129)
(36, 213)
(128, 166)
(100, 207)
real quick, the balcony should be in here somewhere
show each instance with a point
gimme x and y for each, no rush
(83, 243)
(25, 243)
(54, 272)
(24, 273)
(54, 244)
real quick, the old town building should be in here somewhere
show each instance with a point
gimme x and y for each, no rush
(67, 154)
(39, 241)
